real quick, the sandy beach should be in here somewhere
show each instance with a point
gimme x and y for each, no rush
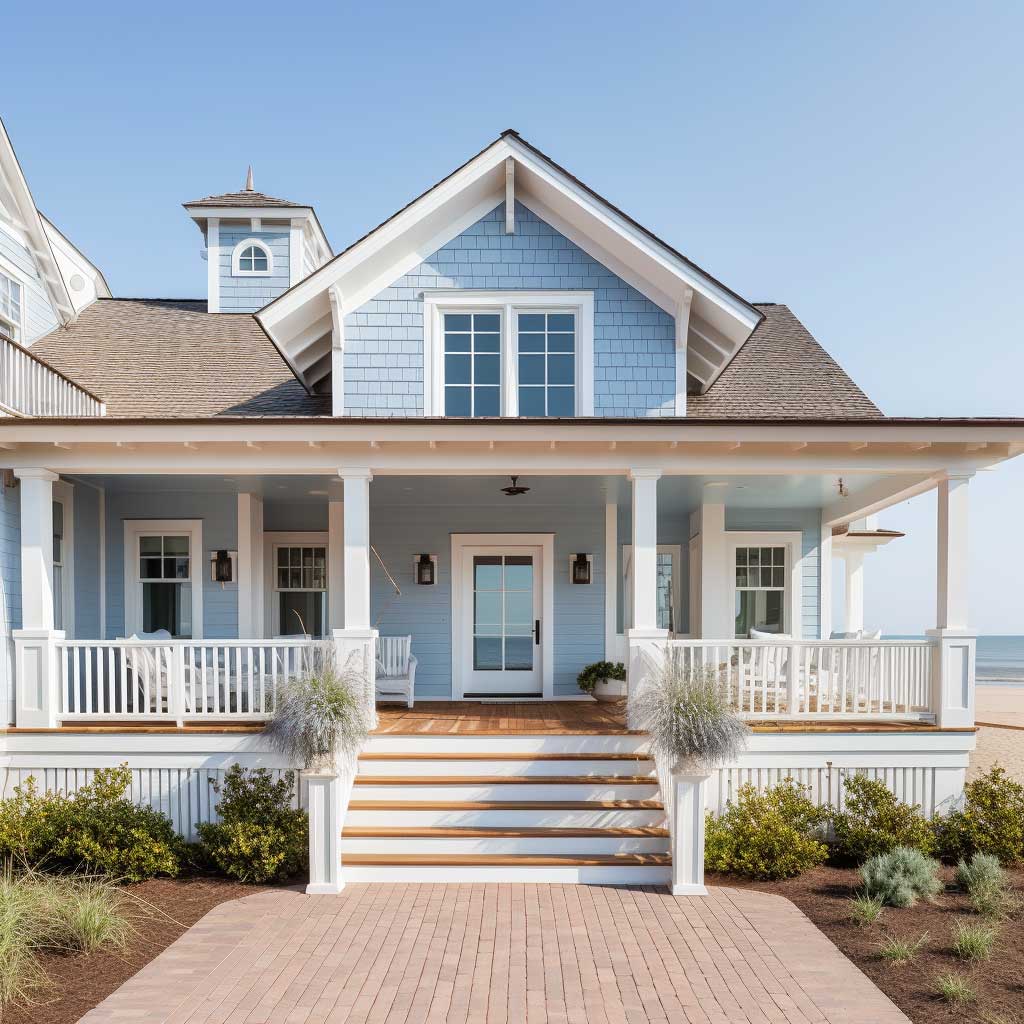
(1000, 718)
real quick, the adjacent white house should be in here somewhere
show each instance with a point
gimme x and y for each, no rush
(507, 433)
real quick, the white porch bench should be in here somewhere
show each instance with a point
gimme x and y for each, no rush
(396, 669)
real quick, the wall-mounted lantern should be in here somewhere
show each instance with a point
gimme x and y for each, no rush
(222, 566)
(580, 568)
(426, 570)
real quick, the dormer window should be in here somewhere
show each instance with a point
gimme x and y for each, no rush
(251, 258)
(10, 307)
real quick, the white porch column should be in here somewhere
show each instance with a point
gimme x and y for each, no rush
(356, 641)
(716, 577)
(35, 658)
(645, 638)
(954, 653)
(336, 563)
(250, 567)
(854, 583)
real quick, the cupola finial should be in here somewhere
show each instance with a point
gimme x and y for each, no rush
(248, 180)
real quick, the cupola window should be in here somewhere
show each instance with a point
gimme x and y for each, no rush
(252, 257)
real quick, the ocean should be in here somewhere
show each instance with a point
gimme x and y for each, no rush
(1000, 659)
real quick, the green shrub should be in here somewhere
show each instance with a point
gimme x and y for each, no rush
(771, 835)
(900, 877)
(98, 828)
(875, 821)
(991, 821)
(981, 871)
(260, 837)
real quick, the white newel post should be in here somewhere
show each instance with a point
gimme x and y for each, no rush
(954, 652)
(37, 679)
(326, 800)
(688, 833)
(646, 640)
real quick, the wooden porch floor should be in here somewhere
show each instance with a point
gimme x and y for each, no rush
(446, 717)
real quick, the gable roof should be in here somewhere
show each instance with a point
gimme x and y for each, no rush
(715, 320)
(159, 358)
(782, 372)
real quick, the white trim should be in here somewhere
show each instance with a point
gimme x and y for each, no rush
(296, 251)
(508, 304)
(611, 581)
(213, 265)
(274, 539)
(135, 528)
(546, 542)
(825, 555)
(682, 323)
(792, 540)
(64, 494)
(236, 254)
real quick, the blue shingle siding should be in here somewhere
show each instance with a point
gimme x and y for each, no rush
(10, 594)
(219, 514)
(399, 534)
(247, 294)
(634, 347)
(39, 317)
(808, 522)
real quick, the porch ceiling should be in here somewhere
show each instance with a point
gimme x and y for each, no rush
(675, 493)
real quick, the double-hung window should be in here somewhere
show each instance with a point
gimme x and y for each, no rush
(547, 364)
(165, 571)
(472, 364)
(300, 580)
(760, 589)
(508, 354)
(10, 307)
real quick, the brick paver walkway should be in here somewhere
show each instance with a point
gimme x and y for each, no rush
(573, 954)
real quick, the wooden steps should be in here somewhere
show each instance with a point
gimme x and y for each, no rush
(504, 780)
(505, 805)
(458, 756)
(475, 832)
(512, 860)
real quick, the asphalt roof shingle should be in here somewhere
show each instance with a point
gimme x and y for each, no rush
(163, 358)
(170, 357)
(247, 198)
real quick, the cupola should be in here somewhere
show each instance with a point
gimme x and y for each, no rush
(257, 246)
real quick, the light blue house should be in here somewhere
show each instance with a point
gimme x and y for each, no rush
(510, 428)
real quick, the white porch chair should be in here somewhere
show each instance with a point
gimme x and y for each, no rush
(144, 665)
(396, 669)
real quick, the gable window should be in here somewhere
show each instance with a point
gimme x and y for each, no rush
(251, 258)
(508, 353)
(300, 585)
(163, 577)
(10, 307)
(472, 364)
(760, 589)
(547, 364)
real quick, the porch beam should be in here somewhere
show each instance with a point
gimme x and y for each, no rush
(876, 498)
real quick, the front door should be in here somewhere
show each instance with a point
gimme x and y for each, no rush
(501, 612)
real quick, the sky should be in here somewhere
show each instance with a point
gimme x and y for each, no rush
(860, 162)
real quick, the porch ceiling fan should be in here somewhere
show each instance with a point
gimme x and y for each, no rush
(515, 489)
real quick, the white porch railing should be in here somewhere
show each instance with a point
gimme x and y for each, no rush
(30, 387)
(177, 681)
(819, 679)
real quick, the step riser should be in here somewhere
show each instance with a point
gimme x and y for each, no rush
(527, 845)
(490, 818)
(590, 875)
(510, 791)
(540, 769)
(507, 744)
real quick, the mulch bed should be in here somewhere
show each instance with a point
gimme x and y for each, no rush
(165, 909)
(823, 895)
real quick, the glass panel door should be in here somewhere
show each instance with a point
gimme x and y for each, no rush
(500, 650)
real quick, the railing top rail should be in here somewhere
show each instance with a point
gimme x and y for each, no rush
(790, 642)
(190, 643)
(5, 340)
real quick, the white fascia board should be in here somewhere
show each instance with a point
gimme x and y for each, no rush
(281, 213)
(67, 252)
(39, 243)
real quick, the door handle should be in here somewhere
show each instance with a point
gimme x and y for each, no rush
(536, 632)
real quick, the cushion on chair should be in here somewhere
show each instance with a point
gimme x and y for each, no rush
(761, 634)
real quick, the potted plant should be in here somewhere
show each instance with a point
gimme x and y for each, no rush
(693, 729)
(321, 721)
(604, 680)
